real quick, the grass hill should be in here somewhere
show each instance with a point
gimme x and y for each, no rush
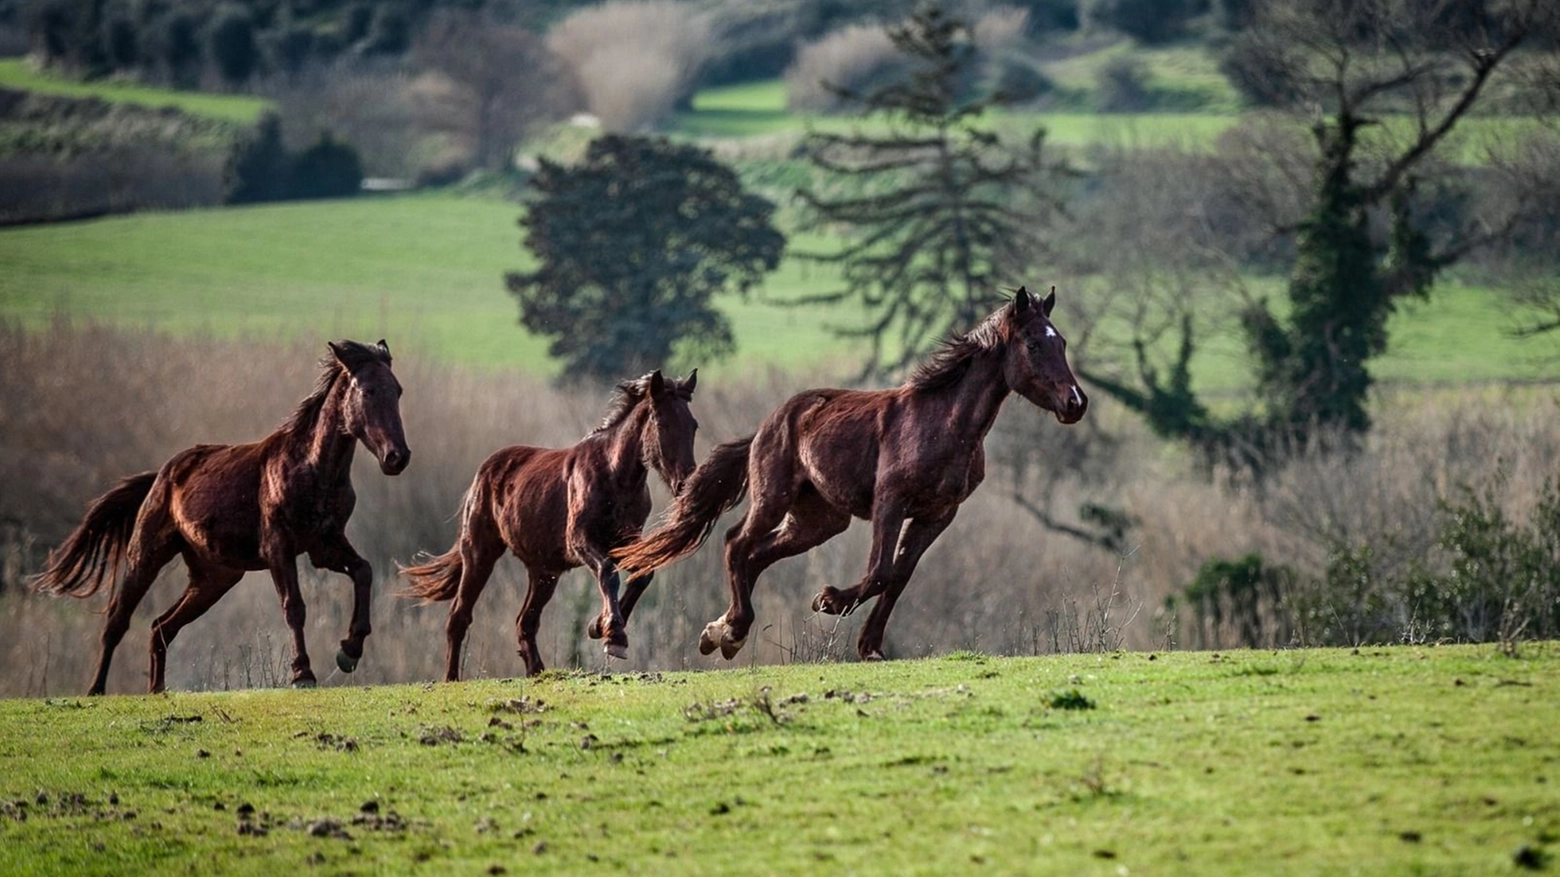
(1380, 761)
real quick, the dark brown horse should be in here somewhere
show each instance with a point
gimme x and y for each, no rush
(903, 459)
(557, 509)
(232, 508)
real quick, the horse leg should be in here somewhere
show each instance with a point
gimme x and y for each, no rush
(337, 555)
(887, 521)
(284, 573)
(207, 586)
(633, 589)
(612, 623)
(478, 554)
(918, 537)
(148, 554)
(540, 590)
(766, 511)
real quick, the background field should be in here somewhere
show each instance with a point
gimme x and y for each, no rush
(1377, 761)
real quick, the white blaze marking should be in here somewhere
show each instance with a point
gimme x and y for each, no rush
(1049, 332)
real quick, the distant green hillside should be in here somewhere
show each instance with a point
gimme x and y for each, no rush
(427, 270)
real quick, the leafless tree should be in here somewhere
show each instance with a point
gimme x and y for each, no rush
(502, 83)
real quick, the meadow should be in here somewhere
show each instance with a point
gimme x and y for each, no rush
(1375, 760)
(426, 271)
(19, 74)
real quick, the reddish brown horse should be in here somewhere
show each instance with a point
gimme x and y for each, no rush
(903, 459)
(557, 509)
(232, 508)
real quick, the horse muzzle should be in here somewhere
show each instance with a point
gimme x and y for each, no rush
(395, 460)
(1071, 406)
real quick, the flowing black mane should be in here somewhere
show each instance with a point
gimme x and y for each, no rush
(949, 362)
(345, 357)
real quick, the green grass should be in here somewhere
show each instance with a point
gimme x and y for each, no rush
(1382, 761)
(17, 73)
(426, 272)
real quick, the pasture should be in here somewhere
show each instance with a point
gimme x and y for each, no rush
(1425, 760)
(426, 271)
(19, 74)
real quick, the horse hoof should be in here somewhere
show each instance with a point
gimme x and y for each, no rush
(593, 630)
(706, 642)
(617, 650)
(873, 655)
(828, 602)
(304, 683)
(714, 633)
(346, 662)
(729, 648)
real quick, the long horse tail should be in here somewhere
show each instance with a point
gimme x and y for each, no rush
(90, 556)
(438, 578)
(719, 483)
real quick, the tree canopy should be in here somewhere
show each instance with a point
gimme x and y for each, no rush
(632, 243)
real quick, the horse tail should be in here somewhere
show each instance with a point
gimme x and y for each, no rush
(438, 578)
(435, 579)
(719, 483)
(90, 556)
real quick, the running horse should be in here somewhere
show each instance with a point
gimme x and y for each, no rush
(228, 509)
(561, 508)
(903, 459)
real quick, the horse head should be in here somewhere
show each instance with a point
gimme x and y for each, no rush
(372, 404)
(1036, 366)
(669, 430)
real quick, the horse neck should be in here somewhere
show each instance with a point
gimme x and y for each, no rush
(322, 440)
(969, 406)
(625, 446)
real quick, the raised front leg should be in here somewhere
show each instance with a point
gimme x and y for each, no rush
(918, 536)
(611, 625)
(338, 555)
(284, 574)
(888, 520)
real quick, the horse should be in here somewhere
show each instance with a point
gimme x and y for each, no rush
(228, 509)
(561, 508)
(904, 459)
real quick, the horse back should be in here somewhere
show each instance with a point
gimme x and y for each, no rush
(213, 498)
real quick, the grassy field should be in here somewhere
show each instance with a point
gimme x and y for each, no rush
(1377, 761)
(17, 73)
(426, 271)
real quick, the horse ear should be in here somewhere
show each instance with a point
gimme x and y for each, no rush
(1021, 300)
(691, 381)
(1048, 302)
(384, 348)
(339, 352)
(657, 384)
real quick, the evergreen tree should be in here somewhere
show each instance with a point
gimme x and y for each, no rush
(631, 245)
(940, 213)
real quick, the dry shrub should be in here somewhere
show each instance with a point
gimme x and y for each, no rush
(852, 58)
(86, 405)
(634, 61)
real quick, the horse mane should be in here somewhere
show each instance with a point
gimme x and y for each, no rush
(950, 361)
(624, 397)
(345, 357)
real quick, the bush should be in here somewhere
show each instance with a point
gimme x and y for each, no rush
(635, 62)
(328, 169)
(855, 59)
(1151, 21)
(1123, 85)
(231, 41)
(261, 169)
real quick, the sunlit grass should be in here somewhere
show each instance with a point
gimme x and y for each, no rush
(17, 73)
